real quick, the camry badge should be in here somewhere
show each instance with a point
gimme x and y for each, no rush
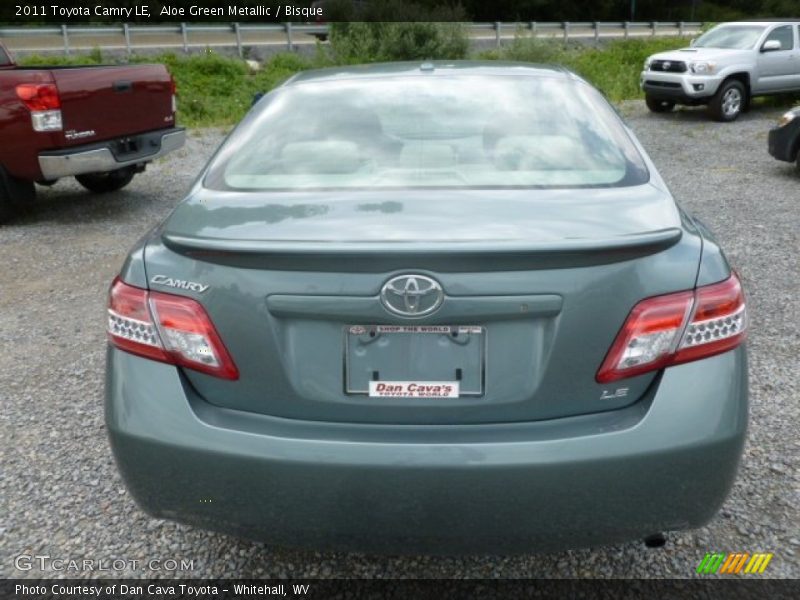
(192, 286)
(412, 295)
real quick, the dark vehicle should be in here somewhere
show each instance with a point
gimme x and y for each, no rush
(101, 124)
(784, 139)
(448, 307)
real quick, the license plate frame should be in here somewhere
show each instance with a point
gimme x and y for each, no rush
(467, 342)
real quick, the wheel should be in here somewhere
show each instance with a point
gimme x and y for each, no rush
(658, 106)
(729, 101)
(111, 181)
(14, 193)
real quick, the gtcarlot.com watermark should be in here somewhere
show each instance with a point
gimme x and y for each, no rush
(45, 562)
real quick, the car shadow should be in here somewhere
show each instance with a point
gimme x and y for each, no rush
(699, 113)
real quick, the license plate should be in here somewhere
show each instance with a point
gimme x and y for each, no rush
(415, 361)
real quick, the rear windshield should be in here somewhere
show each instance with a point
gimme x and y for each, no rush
(429, 131)
(4, 59)
(734, 37)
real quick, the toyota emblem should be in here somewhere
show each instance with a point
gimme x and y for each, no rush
(412, 295)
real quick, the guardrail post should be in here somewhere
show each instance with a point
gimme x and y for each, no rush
(565, 25)
(532, 27)
(497, 27)
(65, 35)
(238, 33)
(127, 33)
(596, 32)
(288, 28)
(184, 38)
(654, 26)
(627, 26)
(680, 28)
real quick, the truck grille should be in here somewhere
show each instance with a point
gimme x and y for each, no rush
(670, 66)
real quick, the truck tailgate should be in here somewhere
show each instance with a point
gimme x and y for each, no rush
(101, 103)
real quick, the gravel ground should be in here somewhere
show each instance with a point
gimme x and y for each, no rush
(60, 493)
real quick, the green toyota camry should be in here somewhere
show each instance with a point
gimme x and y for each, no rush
(429, 308)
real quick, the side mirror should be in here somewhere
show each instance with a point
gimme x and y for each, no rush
(771, 46)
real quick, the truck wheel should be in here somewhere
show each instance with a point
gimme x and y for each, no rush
(111, 181)
(658, 106)
(729, 101)
(14, 193)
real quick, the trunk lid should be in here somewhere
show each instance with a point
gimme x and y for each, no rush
(548, 277)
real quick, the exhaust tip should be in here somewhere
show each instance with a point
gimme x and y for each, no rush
(656, 540)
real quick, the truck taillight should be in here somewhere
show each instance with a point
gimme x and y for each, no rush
(677, 328)
(167, 328)
(44, 103)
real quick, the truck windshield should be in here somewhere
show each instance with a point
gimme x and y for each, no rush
(734, 37)
(438, 131)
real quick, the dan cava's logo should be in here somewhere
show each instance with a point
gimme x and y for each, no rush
(412, 295)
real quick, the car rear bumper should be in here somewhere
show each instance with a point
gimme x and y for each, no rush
(666, 462)
(683, 88)
(110, 155)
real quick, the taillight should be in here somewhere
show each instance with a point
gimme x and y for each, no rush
(44, 103)
(167, 328)
(39, 96)
(174, 90)
(677, 328)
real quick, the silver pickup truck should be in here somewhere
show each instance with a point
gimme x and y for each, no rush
(725, 67)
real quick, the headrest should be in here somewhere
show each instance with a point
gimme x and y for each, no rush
(323, 157)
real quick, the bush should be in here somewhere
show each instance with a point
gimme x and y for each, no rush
(395, 30)
(614, 67)
(382, 42)
(533, 50)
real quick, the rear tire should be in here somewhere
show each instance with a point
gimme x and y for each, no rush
(14, 194)
(729, 101)
(658, 106)
(111, 181)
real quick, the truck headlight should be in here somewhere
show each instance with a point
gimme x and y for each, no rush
(702, 67)
(647, 62)
(788, 117)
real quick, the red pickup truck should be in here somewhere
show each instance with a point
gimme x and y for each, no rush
(100, 124)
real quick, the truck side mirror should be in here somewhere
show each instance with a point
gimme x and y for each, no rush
(771, 46)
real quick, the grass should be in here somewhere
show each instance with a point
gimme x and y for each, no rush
(214, 90)
(613, 68)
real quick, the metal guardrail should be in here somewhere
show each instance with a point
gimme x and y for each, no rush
(131, 34)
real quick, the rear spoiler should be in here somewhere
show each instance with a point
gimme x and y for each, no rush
(496, 254)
